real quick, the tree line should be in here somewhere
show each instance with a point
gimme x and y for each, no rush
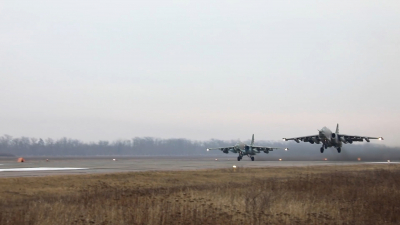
(25, 146)
(150, 146)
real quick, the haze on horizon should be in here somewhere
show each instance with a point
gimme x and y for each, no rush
(103, 70)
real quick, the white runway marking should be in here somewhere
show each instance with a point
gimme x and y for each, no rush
(384, 162)
(40, 169)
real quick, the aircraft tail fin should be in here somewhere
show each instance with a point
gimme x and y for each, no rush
(337, 128)
(252, 140)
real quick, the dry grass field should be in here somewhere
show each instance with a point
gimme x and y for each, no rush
(359, 194)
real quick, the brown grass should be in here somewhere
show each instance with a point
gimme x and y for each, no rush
(362, 194)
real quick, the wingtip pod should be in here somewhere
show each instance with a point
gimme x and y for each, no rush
(286, 149)
(284, 139)
(380, 138)
(208, 149)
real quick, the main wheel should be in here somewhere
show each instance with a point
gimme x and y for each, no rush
(239, 158)
(252, 158)
(322, 149)
(339, 150)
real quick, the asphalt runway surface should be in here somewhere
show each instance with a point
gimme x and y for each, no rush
(59, 166)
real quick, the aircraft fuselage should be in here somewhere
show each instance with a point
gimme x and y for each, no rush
(328, 138)
(243, 149)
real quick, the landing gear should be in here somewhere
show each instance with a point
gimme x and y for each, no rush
(324, 146)
(240, 156)
(339, 150)
(252, 158)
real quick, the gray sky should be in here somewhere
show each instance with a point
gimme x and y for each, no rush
(204, 69)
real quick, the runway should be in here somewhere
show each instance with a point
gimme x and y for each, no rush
(59, 166)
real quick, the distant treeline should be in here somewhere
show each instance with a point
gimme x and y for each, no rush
(149, 146)
(25, 146)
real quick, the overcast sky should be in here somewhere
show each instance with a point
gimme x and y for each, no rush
(104, 70)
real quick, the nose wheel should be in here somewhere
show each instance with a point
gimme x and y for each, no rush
(252, 158)
(322, 149)
(239, 158)
(339, 150)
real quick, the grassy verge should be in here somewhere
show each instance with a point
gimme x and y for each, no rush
(361, 194)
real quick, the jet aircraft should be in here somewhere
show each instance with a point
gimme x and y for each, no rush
(330, 139)
(243, 149)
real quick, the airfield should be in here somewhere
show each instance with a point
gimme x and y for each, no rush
(58, 166)
(197, 190)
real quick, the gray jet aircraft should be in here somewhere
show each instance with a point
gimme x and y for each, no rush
(243, 149)
(330, 139)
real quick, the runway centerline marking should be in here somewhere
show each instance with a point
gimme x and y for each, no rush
(40, 169)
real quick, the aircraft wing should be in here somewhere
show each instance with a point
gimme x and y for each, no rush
(303, 138)
(351, 138)
(224, 149)
(262, 148)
